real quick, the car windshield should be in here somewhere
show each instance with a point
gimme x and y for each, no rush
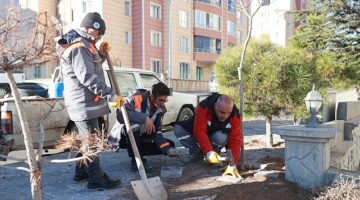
(149, 80)
(127, 83)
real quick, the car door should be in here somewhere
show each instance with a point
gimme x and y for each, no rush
(128, 83)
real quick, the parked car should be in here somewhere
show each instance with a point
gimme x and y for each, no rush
(4, 82)
(55, 119)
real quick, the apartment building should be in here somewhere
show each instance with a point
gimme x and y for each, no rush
(178, 39)
(274, 21)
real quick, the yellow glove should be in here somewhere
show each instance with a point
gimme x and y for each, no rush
(117, 101)
(104, 48)
(212, 157)
(232, 170)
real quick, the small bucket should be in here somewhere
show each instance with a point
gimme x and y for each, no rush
(56, 90)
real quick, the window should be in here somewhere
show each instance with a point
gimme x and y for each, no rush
(231, 28)
(239, 16)
(239, 37)
(199, 73)
(184, 71)
(155, 65)
(148, 80)
(126, 82)
(183, 18)
(127, 37)
(211, 2)
(155, 11)
(86, 6)
(127, 8)
(37, 72)
(231, 6)
(207, 45)
(184, 44)
(207, 20)
(83, 7)
(155, 38)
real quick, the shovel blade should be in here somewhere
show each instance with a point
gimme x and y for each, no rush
(155, 190)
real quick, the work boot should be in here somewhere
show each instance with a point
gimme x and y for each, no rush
(98, 179)
(80, 173)
(147, 167)
(104, 183)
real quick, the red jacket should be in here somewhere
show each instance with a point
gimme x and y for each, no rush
(204, 114)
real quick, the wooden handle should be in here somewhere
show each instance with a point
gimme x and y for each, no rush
(127, 123)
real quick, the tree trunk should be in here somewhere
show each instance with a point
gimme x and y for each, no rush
(269, 136)
(35, 173)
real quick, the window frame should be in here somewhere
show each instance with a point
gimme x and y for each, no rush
(184, 23)
(127, 10)
(184, 71)
(184, 40)
(152, 33)
(157, 14)
(127, 37)
(153, 60)
(199, 73)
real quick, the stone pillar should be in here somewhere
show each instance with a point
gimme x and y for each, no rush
(307, 153)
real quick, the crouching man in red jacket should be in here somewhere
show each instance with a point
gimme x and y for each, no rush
(215, 125)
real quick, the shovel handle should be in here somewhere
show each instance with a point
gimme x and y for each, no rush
(127, 124)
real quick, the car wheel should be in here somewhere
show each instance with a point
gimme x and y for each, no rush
(185, 114)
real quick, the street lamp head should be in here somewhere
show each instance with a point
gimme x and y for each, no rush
(313, 101)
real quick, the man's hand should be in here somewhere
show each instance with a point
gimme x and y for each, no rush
(104, 48)
(149, 126)
(117, 101)
(232, 170)
(212, 157)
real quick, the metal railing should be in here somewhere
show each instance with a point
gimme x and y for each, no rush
(207, 26)
(210, 2)
(201, 50)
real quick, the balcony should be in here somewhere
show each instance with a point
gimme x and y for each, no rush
(207, 26)
(206, 55)
(216, 3)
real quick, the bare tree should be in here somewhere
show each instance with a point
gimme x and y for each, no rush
(25, 41)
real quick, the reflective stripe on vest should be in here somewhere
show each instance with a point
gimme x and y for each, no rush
(74, 45)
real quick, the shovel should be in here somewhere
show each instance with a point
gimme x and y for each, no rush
(145, 188)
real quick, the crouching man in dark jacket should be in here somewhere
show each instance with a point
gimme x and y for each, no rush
(145, 112)
(216, 124)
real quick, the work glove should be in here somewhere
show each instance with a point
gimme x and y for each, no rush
(104, 48)
(231, 170)
(212, 157)
(117, 101)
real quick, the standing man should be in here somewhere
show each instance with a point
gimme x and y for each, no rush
(145, 111)
(85, 91)
(216, 124)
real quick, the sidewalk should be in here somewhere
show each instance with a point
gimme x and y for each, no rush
(58, 181)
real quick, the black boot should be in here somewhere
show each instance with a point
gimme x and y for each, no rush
(80, 171)
(148, 168)
(98, 179)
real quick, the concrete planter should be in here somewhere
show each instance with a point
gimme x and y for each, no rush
(307, 154)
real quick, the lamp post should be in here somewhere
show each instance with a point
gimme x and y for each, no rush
(241, 85)
(313, 101)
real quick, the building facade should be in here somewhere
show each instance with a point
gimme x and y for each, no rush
(274, 21)
(178, 39)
